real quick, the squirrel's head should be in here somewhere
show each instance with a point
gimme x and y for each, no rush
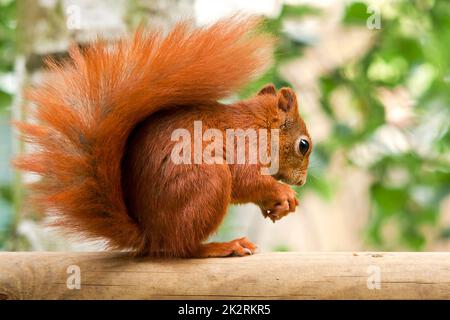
(295, 143)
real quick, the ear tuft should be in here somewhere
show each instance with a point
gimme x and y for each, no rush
(268, 89)
(286, 99)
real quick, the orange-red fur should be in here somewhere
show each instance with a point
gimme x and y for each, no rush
(105, 118)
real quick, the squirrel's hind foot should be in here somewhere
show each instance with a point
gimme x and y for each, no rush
(238, 247)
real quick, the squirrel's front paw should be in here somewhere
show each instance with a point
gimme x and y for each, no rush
(282, 202)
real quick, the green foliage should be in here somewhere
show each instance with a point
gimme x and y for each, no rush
(356, 13)
(5, 99)
(415, 38)
(7, 55)
(7, 44)
(7, 34)
(410, 51)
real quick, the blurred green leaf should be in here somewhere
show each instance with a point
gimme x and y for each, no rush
(446, 233)
(6, 192)
(356, 13)
(389, 200)
(5, 99)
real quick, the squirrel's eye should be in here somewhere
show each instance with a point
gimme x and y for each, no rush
(303, 146)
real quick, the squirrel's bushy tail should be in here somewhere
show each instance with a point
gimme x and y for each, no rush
(87, 107)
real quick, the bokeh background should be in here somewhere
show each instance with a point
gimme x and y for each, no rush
(373, 81)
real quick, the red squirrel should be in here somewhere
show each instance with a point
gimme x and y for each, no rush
(104, 120)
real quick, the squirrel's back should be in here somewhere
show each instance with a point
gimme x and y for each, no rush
(87, 107)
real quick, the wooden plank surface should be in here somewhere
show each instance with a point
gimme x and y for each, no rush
(336, 275)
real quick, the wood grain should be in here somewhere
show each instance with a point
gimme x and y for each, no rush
(337, 275)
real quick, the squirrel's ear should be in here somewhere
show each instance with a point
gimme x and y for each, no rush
(268, 89)
(286, 99)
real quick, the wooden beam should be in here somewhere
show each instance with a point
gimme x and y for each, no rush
(337, 275)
